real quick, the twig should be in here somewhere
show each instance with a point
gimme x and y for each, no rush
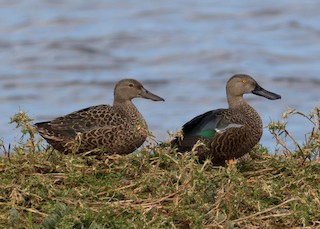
(160, 200)
(175, 161)
(121, 188)
(267, 210)
(294, 140)
(279, 141)
(275, 215)
(34, 211)
(143, 203)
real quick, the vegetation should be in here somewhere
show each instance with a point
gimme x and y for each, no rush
(160, 188)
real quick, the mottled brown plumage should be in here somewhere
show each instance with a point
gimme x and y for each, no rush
(112, 129)
(227, 133)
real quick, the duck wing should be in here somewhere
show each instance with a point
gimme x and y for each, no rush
(80, 121)
(204, 127)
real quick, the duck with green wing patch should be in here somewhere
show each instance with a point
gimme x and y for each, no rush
(227, 133)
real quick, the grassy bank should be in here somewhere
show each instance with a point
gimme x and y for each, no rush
(45, 189)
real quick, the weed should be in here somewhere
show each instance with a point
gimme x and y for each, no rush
(157, 187)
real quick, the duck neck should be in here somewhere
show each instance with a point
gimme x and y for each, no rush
(236, 101)
(129, 110)
(253, 119)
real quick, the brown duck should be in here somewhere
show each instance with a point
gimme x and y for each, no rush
(112, 129)
(227, 133)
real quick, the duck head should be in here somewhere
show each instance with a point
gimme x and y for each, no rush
(243, 84)
(128, 89)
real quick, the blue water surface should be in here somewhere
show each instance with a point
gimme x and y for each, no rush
(61, 56)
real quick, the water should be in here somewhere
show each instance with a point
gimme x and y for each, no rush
(61, 56)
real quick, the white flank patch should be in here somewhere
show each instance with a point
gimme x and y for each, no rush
(232, 125)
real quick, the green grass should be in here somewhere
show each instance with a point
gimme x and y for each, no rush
(45, 189)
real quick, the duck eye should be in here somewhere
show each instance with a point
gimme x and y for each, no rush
(131, 85)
